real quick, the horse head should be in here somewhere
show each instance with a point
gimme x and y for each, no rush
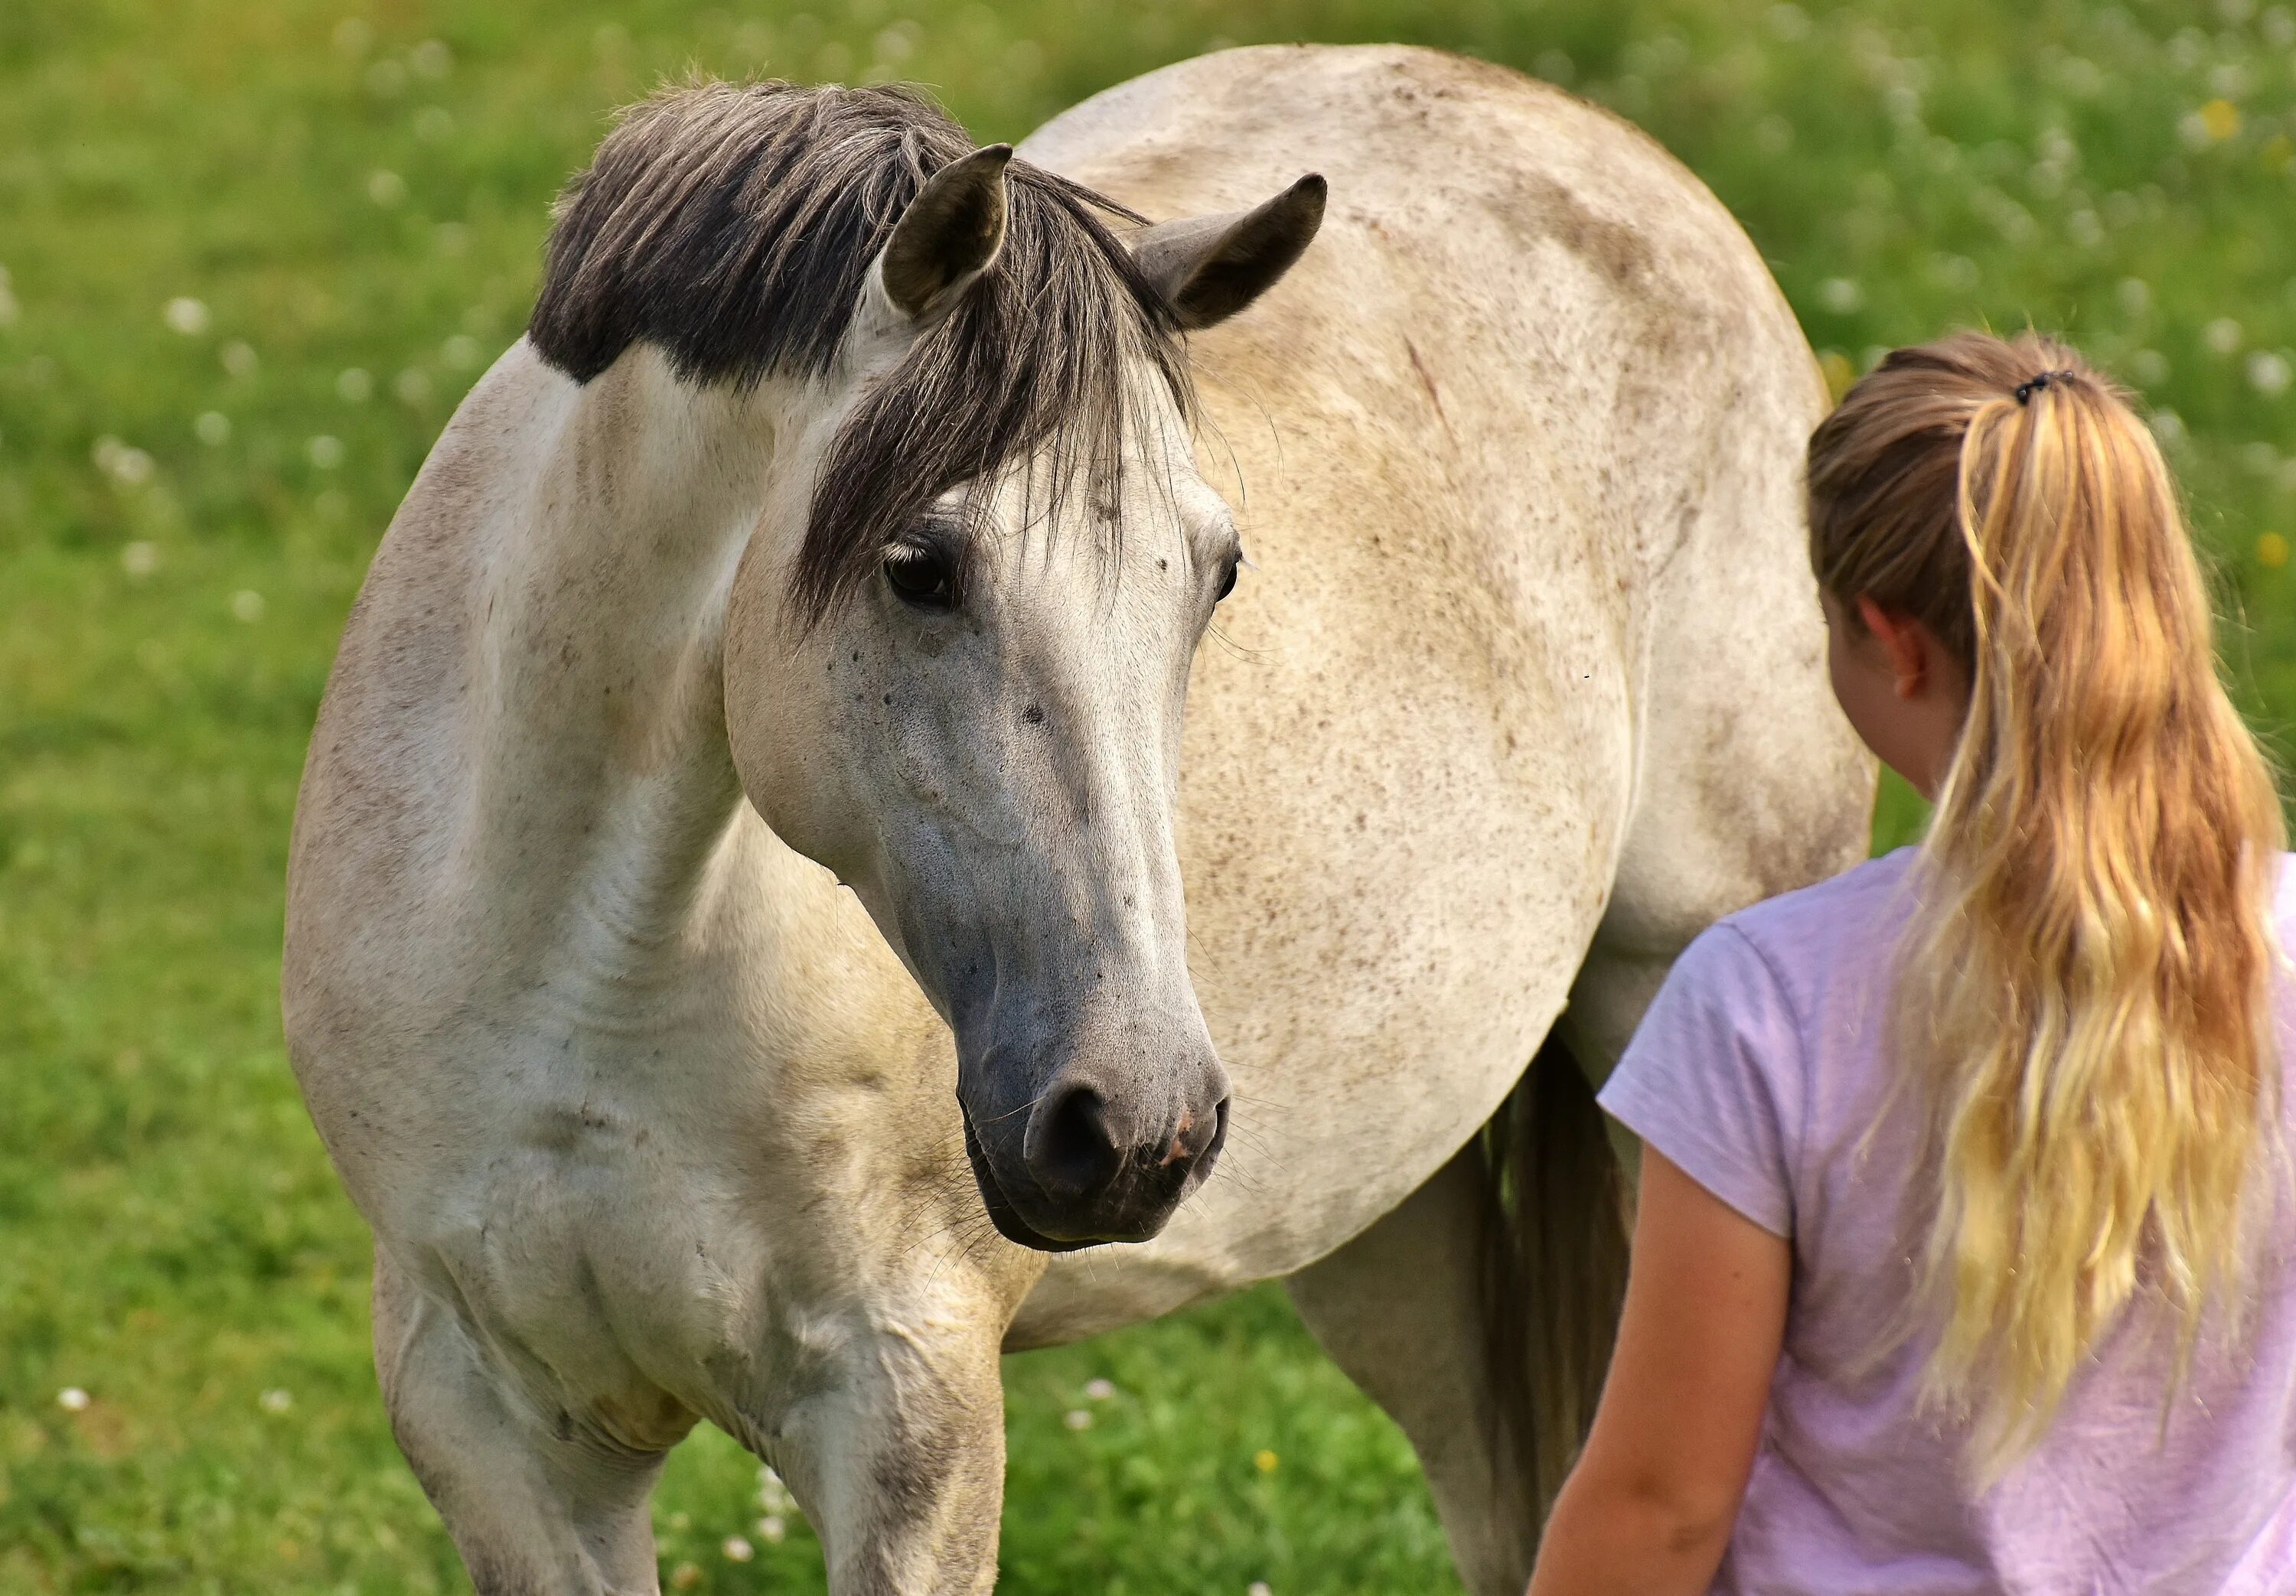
(958, 642)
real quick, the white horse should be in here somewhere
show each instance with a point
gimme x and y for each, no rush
(763, 725)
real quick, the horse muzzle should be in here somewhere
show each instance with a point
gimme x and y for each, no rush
(1096, 1155)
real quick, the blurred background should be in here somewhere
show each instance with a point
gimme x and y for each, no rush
(252, 252)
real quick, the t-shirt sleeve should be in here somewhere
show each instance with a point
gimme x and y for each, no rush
(1713, 1077)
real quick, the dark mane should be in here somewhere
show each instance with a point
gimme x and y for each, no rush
(732, 225)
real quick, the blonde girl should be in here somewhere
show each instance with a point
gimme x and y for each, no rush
(1965, 1259)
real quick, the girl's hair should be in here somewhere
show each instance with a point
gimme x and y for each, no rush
(2084, 992)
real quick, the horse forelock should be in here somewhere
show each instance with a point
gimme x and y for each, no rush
(731, 227)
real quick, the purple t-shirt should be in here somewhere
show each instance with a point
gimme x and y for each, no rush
(1759, 1070)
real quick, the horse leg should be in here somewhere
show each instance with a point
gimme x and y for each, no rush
(536, 1506)
(897, 1457)
(1400, 1309)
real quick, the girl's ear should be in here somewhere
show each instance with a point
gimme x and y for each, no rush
(1905, 642)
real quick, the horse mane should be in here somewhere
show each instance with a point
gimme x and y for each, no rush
(731, 226)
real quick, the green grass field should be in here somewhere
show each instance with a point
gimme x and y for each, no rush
(252, 252)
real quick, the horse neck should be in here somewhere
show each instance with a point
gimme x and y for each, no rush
(598, 742)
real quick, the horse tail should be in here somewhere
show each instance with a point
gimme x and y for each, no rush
(1553, 1267)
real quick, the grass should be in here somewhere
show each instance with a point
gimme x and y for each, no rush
(254, 254)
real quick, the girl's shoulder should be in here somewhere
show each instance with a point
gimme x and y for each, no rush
(1843, 921)
(1850, 925)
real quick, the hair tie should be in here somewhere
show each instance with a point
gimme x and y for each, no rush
(2038, 381)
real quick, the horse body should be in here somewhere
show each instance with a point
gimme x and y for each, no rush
(650, 1116)
(1530, 684)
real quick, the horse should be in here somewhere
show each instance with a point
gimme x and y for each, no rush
(763, 937)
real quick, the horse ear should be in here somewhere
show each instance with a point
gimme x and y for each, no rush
(1209, 267)
(948, 237)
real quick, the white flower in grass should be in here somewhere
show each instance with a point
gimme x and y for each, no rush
(434, 124)
(124, 464)
(2080, 77)
(73, 1400)
(140, 559)
(411, 386)
(1840, 295)
(1099, 1390)
(2268, 373)
(1078, 1418)
(459, 351)
(276, 1400)
(2136, 296)
(2149, 367)
(246, 605)
(737, 1550)
(326, 453)
(2222, 336)
(1258, 1587)
(355, 386)
(772, 1528)
(212, 428)
(832, 61)
(2230, 80)
(1957, 272)
(432, 59)
(186, 316)
(239, 358)
(386, 189)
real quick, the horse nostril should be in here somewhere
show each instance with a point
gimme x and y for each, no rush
(1211, 1150)
(1191, 1137)
(1076, 1155)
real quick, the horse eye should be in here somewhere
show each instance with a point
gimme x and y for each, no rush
(922, 577)
(1227, 582)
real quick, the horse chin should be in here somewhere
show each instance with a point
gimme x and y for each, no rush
(1002, 1214)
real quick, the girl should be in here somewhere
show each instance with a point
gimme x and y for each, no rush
(1965, 1255)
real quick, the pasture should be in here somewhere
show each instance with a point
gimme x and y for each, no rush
(251, 254)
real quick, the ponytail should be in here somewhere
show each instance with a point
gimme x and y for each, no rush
(2083, 997)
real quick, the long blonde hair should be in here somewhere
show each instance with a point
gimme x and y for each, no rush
(2084, 995)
